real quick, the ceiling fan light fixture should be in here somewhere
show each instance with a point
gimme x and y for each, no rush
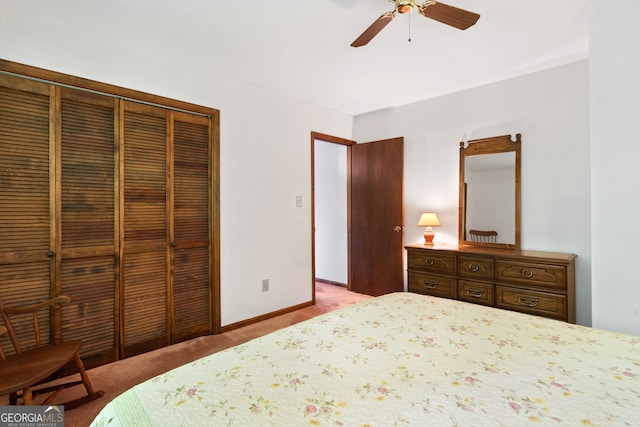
(404, 6)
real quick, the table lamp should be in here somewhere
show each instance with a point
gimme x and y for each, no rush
(428, 220)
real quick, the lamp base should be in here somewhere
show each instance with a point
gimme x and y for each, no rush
(428, 238)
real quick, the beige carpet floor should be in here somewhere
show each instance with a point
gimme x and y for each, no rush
(117, 377)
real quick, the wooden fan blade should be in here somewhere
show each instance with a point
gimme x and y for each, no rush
(453, 16)
(374, 29)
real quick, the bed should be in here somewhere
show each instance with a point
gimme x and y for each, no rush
(397, 360)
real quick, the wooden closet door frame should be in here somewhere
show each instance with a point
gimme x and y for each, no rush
(57, 79)
(55, 187)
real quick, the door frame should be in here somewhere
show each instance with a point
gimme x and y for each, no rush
(347, 143)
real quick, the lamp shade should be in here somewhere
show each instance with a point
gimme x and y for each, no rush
(428, 219)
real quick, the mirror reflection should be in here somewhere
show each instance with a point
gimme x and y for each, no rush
(490, 192)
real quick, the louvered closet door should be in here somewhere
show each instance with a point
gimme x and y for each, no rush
(191, 256)
(145, 234)
(87, 225)
(26, 254)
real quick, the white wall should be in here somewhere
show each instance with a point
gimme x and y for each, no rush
(551, 111)
(266, 163)
(615, 150)
(265, 155)
(330, 192)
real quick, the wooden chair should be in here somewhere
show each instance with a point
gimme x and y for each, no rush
(483, 236)
(23, 370)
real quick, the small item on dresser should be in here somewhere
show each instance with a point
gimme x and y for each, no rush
(428, 220)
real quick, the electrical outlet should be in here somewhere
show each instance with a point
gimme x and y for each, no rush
(299, 201)
(265, 285)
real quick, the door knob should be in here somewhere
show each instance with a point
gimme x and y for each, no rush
(51, 254)
(397, 228)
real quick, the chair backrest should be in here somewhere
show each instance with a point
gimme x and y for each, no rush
(3, 331)
(485, 236)
(56, 315)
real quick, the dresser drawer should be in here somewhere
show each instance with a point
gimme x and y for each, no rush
(475, 267)
(431, 261)
(540, 275)
(532, 302)
(475, 292)
(431, 284)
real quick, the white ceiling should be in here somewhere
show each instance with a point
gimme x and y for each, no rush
(302, 47)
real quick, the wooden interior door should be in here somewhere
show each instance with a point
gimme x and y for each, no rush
(87, 241)
(377, 211)
(27, 257)
(145, 256)
(190, 227)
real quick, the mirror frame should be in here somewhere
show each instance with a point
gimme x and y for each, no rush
(498, 144)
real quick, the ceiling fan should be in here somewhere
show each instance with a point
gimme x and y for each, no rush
(453, 16)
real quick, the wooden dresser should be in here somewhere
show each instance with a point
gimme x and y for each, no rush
(540, 283)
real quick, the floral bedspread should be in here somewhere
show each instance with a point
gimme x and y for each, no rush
(398, 360)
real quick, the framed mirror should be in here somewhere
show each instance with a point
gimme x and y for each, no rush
(489, 207)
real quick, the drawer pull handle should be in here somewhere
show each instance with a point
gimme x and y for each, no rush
(528, 302)
(474, 266)
(430, 285)
(527, 273)
(473, 292)
(428, 261)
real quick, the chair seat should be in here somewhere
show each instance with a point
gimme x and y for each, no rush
(22, 370)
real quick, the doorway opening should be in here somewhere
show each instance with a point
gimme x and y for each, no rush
(330, 169)
(374, 213)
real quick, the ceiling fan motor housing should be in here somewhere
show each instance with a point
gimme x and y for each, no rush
(405, 6)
